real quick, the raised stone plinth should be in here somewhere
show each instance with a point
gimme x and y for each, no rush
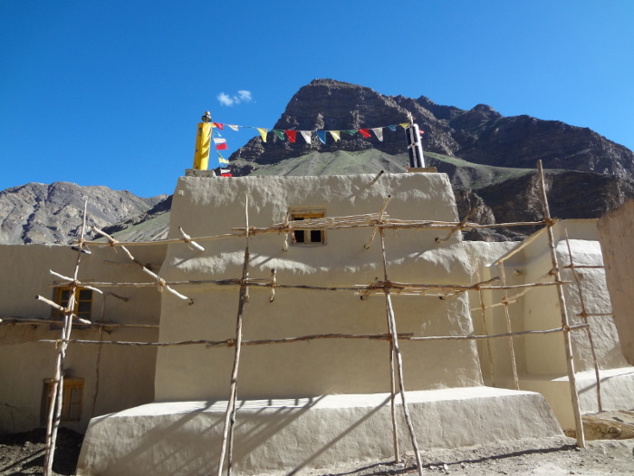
(287, 436)
(616, 385)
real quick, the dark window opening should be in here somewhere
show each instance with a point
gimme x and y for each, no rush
(83, 302)
(308, 237)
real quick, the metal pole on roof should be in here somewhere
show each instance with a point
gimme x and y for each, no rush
(414, 147)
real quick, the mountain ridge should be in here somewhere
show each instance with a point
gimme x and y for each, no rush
(480, 135)
(490, 160)
(40, 213)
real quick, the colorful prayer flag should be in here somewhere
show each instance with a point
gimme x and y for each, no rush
(221, 144)
(292, 135)
(365, 133)
(262, 133)
(219, 125)
(350, 132)
(378, 132)
(321, 135)
(336, 135)
(279, 134)
(307, 135)
(404, 125)
(392, 127)
(233, 127)
(222, 160)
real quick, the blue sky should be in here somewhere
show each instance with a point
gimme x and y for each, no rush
(109, 93)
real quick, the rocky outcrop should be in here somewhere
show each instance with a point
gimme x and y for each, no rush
(480, 135)
(571, 194)
(39, 213)
(521, 141)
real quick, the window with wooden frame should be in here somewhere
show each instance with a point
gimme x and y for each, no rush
(71, 399)
(83, 301)
(308, 237)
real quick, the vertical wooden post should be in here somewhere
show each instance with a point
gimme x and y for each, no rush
(584, 317)
(397, 451)
(230, 414)
(57, 391)
(399, 358)
(486, 331)
(509, 328)
(574, 396)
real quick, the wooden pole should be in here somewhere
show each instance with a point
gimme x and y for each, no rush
(380, 220)
(570, 364)
(57, 391)
(509, 328)
(460, 226)
(188, 240)
(395, 442)
(485, 327)
(160, 281)
(526, 288)
(584, 316)
(399, 359)
(292, 340)
(97, 373)
(330, 223)
(230, 414)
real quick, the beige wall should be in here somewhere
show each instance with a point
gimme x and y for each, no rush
(213, 206)
(539, 308)
(615, 233)
(540, 359)
(114, 377)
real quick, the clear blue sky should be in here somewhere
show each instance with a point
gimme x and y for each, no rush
(109, 92)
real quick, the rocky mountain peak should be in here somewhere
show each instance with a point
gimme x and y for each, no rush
(480, 134)
(39, 213)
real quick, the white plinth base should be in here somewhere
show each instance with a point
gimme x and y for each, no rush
(617, 392)
(288, 436)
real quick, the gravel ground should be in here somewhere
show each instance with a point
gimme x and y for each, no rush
(23, 454)
(600, 457)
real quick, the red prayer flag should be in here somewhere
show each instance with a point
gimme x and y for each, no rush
(365, 133)
(219, 125)
(292, 136)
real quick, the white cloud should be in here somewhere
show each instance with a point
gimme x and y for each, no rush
(243, 96)
(225, 100)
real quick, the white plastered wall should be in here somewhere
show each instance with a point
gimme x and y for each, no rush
(206, 207)
(319, 403)
(125, 375)
(540, 359)
(615, 233)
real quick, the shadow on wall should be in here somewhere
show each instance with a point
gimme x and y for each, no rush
(274, 435)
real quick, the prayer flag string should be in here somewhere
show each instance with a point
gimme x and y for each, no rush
(220, 142)
(291, 134)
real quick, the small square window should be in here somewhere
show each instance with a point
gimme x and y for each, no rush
(71, 399)
(310, 236)
(83, 302)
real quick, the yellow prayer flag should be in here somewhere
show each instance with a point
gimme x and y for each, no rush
(222, 160)
(405, 125)
(262, 133)
(336, 135)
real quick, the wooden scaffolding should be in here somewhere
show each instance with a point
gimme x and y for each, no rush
(377, 223)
